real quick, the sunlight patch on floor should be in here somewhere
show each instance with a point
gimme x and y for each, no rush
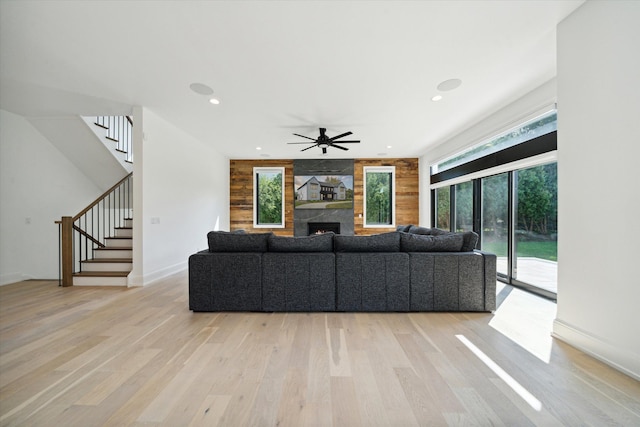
(527, 320)
(508, 379)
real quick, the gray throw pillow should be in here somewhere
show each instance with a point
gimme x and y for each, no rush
(222, 241)
(427, 231)
(314, 243)
(385, 242)
(450, 242)
(470, 240)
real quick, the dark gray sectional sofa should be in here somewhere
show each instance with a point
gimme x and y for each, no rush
(412, 269)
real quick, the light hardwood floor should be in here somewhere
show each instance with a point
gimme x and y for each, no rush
(102, 356)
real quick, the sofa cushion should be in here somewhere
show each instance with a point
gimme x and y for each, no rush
(426, 231)
(470, 240)
(385, 242)
(449, 242)
(222, 241)
(314, 243)
(404, 228)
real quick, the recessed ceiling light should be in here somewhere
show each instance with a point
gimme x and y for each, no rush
(214, 101)
(388, 146)
(382, 154)
(201, 89)
(265, 155)
(436, 98)
(450, 84)
(258, 148)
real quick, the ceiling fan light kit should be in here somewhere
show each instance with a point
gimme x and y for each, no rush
(324, 142)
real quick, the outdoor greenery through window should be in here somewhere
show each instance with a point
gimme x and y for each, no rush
(268, 197)
(379, 196)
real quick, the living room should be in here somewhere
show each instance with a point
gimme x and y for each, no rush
(185, 182)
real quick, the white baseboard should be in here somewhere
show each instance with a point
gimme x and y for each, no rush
(7, 279)
(620, 359)
(150, 278)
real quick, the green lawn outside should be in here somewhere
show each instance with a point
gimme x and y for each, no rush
(542, 250)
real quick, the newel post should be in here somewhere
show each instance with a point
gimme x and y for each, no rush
(67, 250)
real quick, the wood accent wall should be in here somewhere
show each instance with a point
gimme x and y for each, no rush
(241, 193)
(407, 192)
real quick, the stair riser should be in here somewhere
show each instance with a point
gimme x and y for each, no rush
(99, 281)
(118, 243)
(107, 266)
(124, 232)
(128, 223)
(117, 253)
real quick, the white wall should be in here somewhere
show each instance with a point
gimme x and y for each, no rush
(529, 106)
(599, 199)
(38, 185)
(184, 187)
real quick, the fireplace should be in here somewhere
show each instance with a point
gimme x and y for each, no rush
(323, 227)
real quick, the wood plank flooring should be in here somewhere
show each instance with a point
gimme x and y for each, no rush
(130, 357)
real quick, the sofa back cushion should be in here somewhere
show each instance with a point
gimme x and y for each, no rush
(314, 243)
(222, 241)
(449, 242)
(385, 242)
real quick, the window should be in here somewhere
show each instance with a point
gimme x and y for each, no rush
(268, 197)
(541, 125)
(443, 208)
(510, 198)
(379, 196)
(464, 207)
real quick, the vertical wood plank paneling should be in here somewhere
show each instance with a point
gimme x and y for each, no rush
(407, 192)
(241, 193)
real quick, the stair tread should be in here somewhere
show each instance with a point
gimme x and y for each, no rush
(123, 228)
(109, 260)
(114, 248)
(120, 237)
(102, 274)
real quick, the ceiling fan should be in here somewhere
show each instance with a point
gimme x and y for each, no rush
(323, 141)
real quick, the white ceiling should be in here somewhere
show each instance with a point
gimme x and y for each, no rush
(279, 67)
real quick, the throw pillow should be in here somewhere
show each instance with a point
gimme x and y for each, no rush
(470, 239)
(222, 241)
(314, 243)
(450, 242)
(427, 231)
(385, 242)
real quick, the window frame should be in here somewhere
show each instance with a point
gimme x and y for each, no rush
(256, 173)
(379, 169)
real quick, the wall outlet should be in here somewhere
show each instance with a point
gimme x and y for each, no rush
(27, 220)
(155, 220)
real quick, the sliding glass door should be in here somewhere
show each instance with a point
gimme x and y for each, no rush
(494, 232)
(515, 214)
(536, 229)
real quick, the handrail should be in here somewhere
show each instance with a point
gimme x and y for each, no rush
(102, 196)
(85, 234)
(81, 235)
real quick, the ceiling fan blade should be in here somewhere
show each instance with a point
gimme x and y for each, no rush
(302, 136)
(309, 148)
(311, 142)
(337, 146)
(340, 136)
(349, 142)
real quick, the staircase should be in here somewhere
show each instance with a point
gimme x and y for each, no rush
(96, 245)
(111, 264)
